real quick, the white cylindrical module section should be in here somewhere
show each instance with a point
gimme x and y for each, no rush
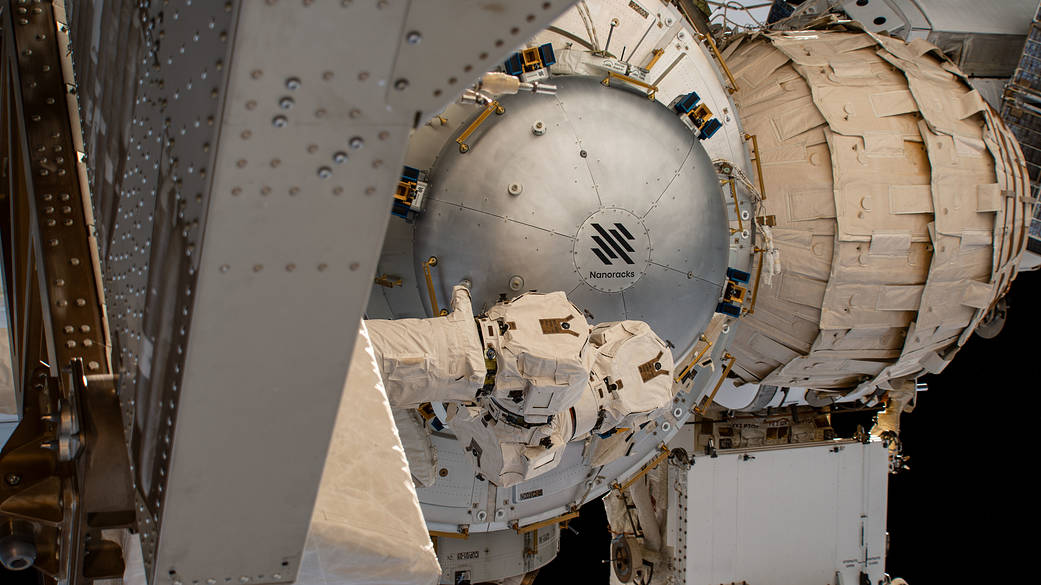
(901, 208)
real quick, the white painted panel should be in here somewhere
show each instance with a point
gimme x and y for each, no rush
(788, 516)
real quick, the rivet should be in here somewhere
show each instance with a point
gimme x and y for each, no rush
(401, 84)
(279, 121)
(258, 267)
(384, 135)
(354, 113)
(370, 190)
(356, 142)
(251, 104)
(354, 266)
(325, 172)
(293, 83)
(290, 267)
(327, 75)
(286, 103)
(337, 190)
(275, 162)
(377, 163)
(265, 190)
(413, 38)
(293, 191)
(256, 74)
(322, 267)
(363, 76)
(339, 157)
(240, 163)
(224, 268)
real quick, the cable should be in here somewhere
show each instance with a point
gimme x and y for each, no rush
(587, 19)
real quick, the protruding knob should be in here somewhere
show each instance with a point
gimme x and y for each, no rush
(17, 549)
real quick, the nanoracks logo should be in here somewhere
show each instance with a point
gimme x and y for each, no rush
(613, 244)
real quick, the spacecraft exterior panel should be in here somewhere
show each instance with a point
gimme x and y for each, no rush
(922, 245)
(504, 213)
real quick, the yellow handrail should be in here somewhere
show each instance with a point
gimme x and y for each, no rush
(652, 90)
(758, 165)
(719, 384)
(464, 534)
(645, 470)
(715, 51)
(555, 520)
(493, 106)
(696, 359)
(432, 261)
(755, 289)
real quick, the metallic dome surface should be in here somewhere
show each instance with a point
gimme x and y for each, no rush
(616, 203)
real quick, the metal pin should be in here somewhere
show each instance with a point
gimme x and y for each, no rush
(614, 23)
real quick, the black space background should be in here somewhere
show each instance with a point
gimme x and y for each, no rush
(966, 511)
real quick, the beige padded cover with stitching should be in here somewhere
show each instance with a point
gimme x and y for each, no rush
(544, 353)
(424, 360)
(901, 202)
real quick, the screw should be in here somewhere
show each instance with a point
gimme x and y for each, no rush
(516, 283)
(515, 189)
(285, 103)
(401, 84)
(281, 121)
(413, 38)
(538, 128)
(293, 83)
(583, 153)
